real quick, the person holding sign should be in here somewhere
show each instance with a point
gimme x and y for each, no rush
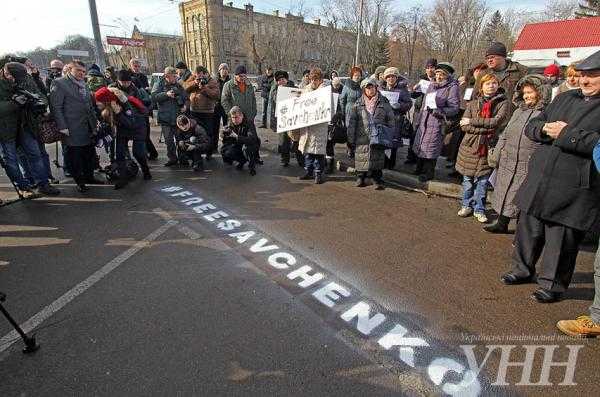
(313, 139)
(371, 109)
(396, 91)
(440, 104)
(418, 94)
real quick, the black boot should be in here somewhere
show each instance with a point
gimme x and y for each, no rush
(198, 165)
(419, 167)
(360, 181)
(330, 166)
(498, 227)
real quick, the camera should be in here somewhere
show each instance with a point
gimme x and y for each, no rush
(30, 101)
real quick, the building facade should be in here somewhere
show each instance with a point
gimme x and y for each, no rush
(159, 51)
(214, 32)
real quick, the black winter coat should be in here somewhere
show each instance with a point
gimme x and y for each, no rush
(246, 135)
(131, 124)
(562, 184)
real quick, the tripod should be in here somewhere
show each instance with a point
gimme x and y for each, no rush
(30, 344)
(3, 165)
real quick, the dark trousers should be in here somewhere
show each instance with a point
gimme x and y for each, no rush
(81, 161)
(287, 147)
(265, 111)
(207, 121)
(219, 117)
(390, 163)
(411, 154)
(150, 148)
(240, 154)
(139, 153)
(426, 167)
(556, 244)
(377, 175)
(330, 149)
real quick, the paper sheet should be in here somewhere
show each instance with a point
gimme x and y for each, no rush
(424, 84)
(391, 96)
(430, 101)
(468, 94)
(554, 92)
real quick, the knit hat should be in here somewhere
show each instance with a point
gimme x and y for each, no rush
(17, 70)
(223, 66)
(180, 65)
(391, 72)
(240, 69)
(552, 71)
(431, 62)
(446, 67)
(496, 48)
(104, 95)
(281, 74)
(124, 75)
(368, 81)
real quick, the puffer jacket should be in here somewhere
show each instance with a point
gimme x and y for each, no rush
(313, 139)
(516, 148)
(202, 99)
(471, 160)
(168, 108)
(350, 94)
(368, 158)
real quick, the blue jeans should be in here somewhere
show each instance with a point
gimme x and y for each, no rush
(24, 163)
(474, 192)
(314, 163)
(33, 158)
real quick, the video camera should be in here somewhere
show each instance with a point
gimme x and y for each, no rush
(30, 101)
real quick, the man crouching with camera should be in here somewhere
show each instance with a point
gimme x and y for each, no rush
(21, 106)
(240, 141)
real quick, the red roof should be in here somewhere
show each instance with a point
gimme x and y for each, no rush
(584, 32)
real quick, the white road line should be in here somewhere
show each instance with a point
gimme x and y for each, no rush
(83, 286)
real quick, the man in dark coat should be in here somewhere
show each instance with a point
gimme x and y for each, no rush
(74, 112)
(560, 197)
(265, 81)
(140, 81)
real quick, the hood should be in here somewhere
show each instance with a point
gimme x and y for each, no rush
(540, 83)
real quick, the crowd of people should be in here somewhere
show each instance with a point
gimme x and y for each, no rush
(532, 138)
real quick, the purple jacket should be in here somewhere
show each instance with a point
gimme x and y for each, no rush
(429, 139)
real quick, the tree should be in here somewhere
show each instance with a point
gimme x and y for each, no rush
(493, 27)
(558, 10)
(588, 8)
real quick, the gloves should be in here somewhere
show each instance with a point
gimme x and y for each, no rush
(65, 132)
(119, 94)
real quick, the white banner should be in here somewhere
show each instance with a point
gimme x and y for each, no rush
(391, 96)
(284, 93)
(309, 109)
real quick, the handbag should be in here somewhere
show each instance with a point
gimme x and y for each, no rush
(49, 132)
(337, 132)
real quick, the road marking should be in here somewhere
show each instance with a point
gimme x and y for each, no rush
(83, 286)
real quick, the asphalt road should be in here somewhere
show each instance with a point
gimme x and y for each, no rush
(144, 291)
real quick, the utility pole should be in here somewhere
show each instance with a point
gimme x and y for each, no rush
(359, 28)
(100, 60)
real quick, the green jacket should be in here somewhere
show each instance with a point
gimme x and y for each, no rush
(232, 96)
(11, 113)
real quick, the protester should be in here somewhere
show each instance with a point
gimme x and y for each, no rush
(393, 82)
(34, 72)
(305, 79)
(370, 110)
(335, 127)
(336, 86)
(183, 72)
(507, 71)
(170, 97)
(378, 75)
(313, 139)
(265, 82)
(560, 198)
(587, 326)
(54, 72)
(240, 92)
(125, 114)
(95, 79)
(418, 94)
(240, 141)
(571, 79)
(334, 74)
(350, 94)
(444, 104)
(74, 112)
(482, 120)
(286, 145)
(514, 149)
(19, 124)
(203, 93)
(193, 141)
(137, 77)
(220, 114)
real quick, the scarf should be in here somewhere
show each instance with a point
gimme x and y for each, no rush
(83, 91)
(371, 103)
(484, 140)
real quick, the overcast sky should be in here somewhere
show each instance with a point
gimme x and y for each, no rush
(44, 23)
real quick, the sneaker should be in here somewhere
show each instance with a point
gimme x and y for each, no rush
(48, 190)
(465, 212)
(481, 218)
(581, 327)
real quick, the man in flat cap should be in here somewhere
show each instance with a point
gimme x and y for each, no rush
(560, 197)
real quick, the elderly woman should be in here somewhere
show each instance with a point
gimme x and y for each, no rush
(440, 104)
(571, 79)
(313, 139)
(396, 84)
(515, 148)
(482, 120)
(370, 110)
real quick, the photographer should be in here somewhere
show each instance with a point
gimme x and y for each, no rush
(21, 105)
(75, 115)
(240, 141)
(192, 140)
(170, 99)
(204, 93)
